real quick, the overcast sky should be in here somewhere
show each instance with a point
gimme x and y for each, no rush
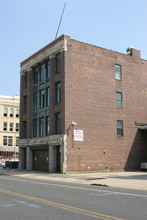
(28, 25)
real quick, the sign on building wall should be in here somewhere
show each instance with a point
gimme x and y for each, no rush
(78, 135)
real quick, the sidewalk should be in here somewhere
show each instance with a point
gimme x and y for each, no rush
(130, 180)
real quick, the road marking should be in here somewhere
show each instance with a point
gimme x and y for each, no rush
(62, 206)
(21, 203)
(75, 187)
(8, 205)
(103, 194)
(27, 204)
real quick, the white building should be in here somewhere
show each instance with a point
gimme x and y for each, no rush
(9, 126)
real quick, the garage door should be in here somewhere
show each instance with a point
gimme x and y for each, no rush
(41, 160)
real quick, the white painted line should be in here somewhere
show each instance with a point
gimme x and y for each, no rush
(75, 187)
(103, 194)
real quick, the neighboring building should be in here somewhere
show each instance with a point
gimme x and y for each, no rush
(9, 126)
(80, 107)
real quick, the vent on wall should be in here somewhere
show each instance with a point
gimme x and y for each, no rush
(129, 50)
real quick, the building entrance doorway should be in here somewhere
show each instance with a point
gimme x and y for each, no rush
(57, 157)
(41, 160)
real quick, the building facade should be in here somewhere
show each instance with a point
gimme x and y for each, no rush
(81, 107)
(9, 127)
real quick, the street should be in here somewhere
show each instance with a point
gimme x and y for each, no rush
(23, 198)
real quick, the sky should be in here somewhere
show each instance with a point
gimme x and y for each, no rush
(28, 25)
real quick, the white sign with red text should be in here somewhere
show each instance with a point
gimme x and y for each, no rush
(78, 135)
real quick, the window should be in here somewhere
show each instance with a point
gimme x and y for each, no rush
(25, 129)
(118, 72)
(5, 111)
(25, 104)
(48, 70)
(17, 113)
(5, 141)
(58, 63)
(119, 128)
(35, 128)
(35, 101)
(5, 126)
(11, 112)
(47, 125)
(42, 98)
(11, 126)
(41, 127)
(17, 127)
(35, 76)
(118, 99)
(42, 74)
(17, 139)
(25, 80)
(10, 141)
(47, 96)
(58, 92)
(58, 123)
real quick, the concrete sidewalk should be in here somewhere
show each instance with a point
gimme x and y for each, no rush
(130, 180)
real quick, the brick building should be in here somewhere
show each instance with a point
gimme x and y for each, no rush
(69, 87)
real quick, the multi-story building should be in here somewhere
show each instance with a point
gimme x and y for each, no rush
(9, 126)
(82, 107)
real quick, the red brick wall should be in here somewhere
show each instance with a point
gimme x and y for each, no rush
(26, 117)
(90, 100)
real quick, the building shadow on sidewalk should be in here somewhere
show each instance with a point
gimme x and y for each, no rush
(138, 152)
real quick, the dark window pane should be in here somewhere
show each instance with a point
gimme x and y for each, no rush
(58, 63)
(25, 104)
(48, 70)
(47, 96)
(25, 80)
(24, 129)
(58, 92)
(41, 127)
(35, 101)
(47, 125)
(35, 75)
(42, 75)
(42, 98)
(35, 128)
(58, 123)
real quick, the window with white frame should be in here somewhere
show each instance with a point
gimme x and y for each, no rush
(17, 139)
(5, 143)
(10, 141)
(17, 113)
(5, 112)
(17, 127)
(11, 126)
(118, 72)
(118, 99)
(11, 112)
(5, 126)
(119, 128)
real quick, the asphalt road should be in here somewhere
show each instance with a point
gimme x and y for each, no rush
(22, 198)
